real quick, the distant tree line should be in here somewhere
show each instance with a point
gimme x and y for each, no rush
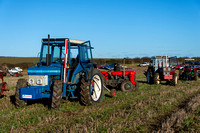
(134, 60)
(26, 64)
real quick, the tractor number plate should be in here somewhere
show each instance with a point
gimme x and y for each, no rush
(26, 96)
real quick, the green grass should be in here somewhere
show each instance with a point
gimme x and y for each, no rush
(127, 112)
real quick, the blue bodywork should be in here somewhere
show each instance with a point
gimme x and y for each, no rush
(55, 71)
(108, 67)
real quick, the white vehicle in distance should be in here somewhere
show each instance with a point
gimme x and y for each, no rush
(15, 70)
(144, 64)
(19, 69)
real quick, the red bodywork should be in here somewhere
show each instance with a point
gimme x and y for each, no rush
(3, 85)
(178, 66)
(192, 70)
(130, 73)
(18, 74)
(169, 77)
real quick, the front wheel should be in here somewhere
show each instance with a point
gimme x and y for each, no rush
(156, 79)
(149, 79)
(174, 81)
(195, 75)
(19, 102)
(180, 74)
(57, 94)
(127, 86)
(91, 91)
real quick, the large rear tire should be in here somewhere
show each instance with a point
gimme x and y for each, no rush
(174, 81)
(156, 79)
(57, 94)
(19, 102)
(91, 91)
(195, 75)
(149, 77)
(180, 74)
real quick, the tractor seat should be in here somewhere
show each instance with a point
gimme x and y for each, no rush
(121, 72)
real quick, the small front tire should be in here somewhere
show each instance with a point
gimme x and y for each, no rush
(57, 94)
(127, 86)
(19, 102)
(174, 81)
(156, 79)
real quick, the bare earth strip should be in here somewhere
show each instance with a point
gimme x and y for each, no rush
(175, 121)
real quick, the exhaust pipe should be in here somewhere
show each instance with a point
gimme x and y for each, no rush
(48, 56)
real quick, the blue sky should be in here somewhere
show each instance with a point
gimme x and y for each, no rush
(116, 28)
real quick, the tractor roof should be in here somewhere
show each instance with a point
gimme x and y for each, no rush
(159, 57)
(62, 40)
(189, 59)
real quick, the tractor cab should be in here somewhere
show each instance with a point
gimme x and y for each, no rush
(160, 63)
(161, 69)
(63, 64)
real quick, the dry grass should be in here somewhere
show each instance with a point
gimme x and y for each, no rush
(152, 108)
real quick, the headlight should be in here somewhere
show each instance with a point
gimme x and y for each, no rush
(39, 81)
(31, 81)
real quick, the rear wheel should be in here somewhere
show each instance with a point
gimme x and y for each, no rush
(180, 74)
(156, 79)
(19, 102)
(195, 75)
(57, 94)
(149, 78)
(91, 91)
(174, 81)
(127, 86)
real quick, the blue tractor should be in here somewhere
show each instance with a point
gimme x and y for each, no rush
(59, 74)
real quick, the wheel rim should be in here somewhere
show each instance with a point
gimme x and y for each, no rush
(96, 88)
(127, 86)
(158, 82)
(176, 80)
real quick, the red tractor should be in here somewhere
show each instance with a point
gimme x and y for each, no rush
(161, 70)
(193, 73)
(3, 86)
(190, 68)
(125, 80)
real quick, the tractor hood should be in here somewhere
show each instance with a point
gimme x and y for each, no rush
(44, 70)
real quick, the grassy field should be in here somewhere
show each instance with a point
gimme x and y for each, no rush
(150, 109)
